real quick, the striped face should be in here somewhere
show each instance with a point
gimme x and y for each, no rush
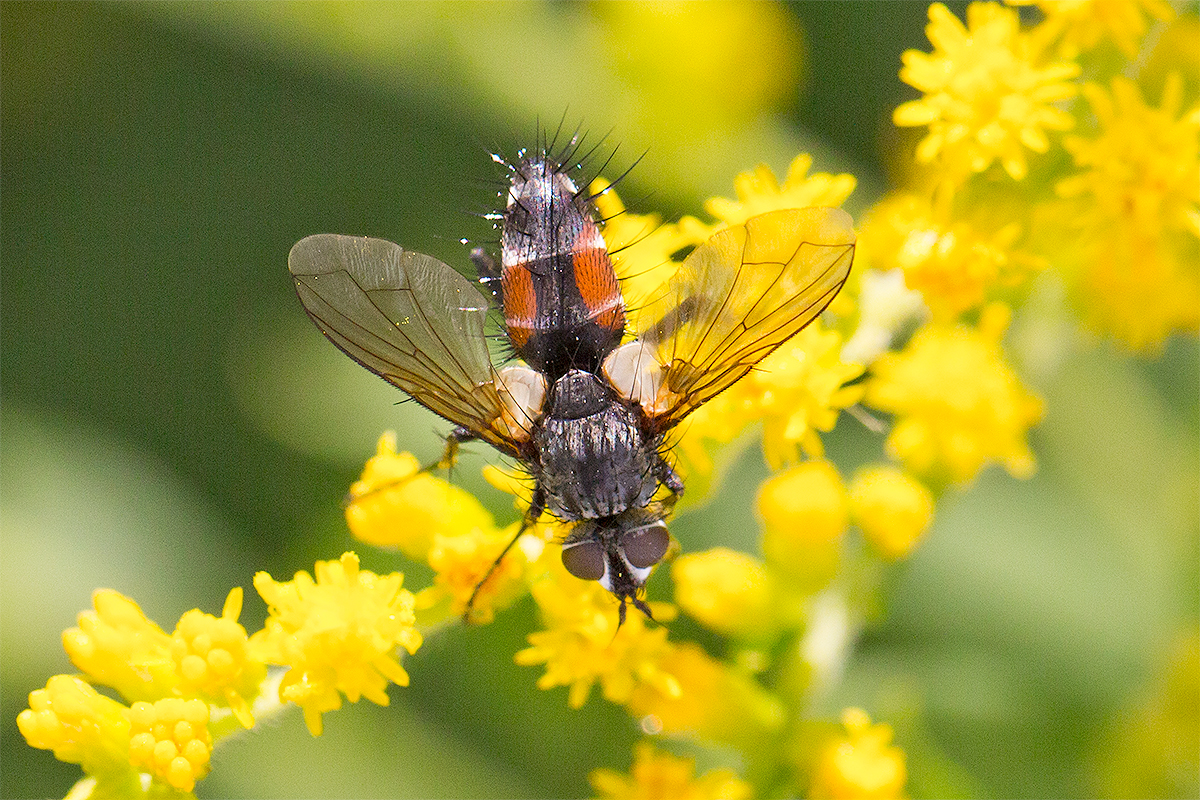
(562, 304)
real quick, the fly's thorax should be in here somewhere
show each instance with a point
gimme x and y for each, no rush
(593, 459)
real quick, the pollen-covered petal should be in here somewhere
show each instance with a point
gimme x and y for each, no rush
(915, 112)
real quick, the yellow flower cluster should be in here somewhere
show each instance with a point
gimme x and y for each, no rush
(191, 689)
(337, 634)
(1122, 228)
(1080, 25)
(990, 93)
(397, 505)
(957, 403)
(1024, 171)
(657, 775)
(582, 644)
(1137, 257)
(862, 765)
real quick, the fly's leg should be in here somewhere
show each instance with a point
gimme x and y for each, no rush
(536, 505)
(450, 455)
(448, 459)
(488, 271)
(668, 477)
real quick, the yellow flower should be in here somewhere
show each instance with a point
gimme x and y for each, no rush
(581, 644)
(758, 191)
(117, 646)
(711, 701)
(891, 508)
(1143, 163)
(338, 634)
(213, 660)
(80, 725)
(958, 404)
(1138, 254)
(987, 96)
(170, 740)
(1082, 24)
(863, 765)
(724, 590)
(461, 562)
(394, 504)
(796, 391)
(952, 263)
(805, 513)
(657, 775)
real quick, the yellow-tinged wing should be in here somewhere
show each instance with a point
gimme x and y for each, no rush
(739, 296)
(408, 318)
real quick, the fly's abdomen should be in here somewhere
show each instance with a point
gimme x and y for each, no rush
(562, 303)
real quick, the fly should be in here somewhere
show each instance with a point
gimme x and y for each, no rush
(585, 414)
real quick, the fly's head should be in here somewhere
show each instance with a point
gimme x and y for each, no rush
(620, 552)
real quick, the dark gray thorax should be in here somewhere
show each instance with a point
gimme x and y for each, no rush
(592, 456)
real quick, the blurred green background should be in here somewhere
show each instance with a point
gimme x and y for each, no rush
(172, 423)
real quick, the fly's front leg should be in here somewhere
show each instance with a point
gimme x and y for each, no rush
(537, 505)
(668, 477)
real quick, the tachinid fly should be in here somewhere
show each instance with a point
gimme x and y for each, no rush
(585, 414)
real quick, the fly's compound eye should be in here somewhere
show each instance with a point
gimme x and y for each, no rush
(645, 547)
(584, 560)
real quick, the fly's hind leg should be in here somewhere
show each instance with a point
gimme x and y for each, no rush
(536, 505)
(488, 271)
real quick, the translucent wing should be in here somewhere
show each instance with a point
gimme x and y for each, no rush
(408, 318)
(739, 296)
